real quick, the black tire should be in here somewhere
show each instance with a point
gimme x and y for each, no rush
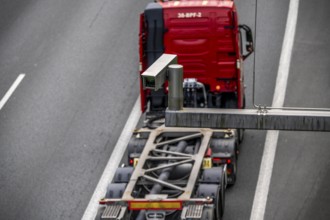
(240, 133)
(222, 198)
(220, 204)
(135, 147)
(115, 190)
(215, 191)
(223, 145)
(123, 175)
(234, 171)
(236, 135)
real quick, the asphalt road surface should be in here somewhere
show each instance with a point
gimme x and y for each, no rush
(300, 187)
(59, 127)
(80, 58)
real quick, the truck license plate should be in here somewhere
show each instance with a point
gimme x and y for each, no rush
(207, 163)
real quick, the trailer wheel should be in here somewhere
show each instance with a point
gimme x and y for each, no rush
(236, 135)
(233, 175)
(240, 133)
(135, 147)
(221, 200)
(223, 145)
(123, 175)
(217, 192)
(115, 190)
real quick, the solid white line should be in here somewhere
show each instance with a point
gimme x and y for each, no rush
(11, 90)
(113, 162)
(267, 162)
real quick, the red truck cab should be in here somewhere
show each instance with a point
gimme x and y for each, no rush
(208, 41)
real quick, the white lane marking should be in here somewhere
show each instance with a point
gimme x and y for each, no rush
(267, 162)
(11, 90)
(113, 162)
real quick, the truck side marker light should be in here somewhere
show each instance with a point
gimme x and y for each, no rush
(221, 160)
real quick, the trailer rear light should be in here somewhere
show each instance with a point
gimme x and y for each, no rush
(218, 87)
(133, 162)
(208, 152)
(157, 205)
(104, 202)
(221, 160)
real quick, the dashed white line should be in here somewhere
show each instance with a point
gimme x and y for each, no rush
(113, 162)
(11, 90)
(267, 162)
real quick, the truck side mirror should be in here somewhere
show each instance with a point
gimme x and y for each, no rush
(248, 40)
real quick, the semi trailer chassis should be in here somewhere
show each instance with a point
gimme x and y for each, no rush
(199, 196)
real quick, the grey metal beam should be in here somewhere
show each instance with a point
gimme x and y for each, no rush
(292, 120)
(161, 182)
